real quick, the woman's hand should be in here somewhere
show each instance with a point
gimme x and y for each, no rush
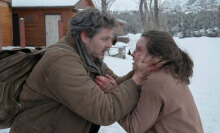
(106, 83)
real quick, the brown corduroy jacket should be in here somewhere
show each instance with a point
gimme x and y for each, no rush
(76, 101)
(165, 106)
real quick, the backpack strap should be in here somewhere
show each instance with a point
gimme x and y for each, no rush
(62, 46)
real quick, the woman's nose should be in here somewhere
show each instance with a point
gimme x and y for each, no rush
(133, 54)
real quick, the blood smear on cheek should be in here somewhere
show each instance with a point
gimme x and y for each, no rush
(139, 48)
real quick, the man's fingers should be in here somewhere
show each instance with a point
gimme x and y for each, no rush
(161, 63)
(108, 76)
(98, 83)
(141, 59)
(156, 60)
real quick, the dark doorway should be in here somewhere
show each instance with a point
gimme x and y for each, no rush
(16, 33)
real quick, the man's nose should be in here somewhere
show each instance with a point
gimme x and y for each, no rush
(109, 44)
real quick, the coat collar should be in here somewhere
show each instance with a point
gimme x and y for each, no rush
(95, 66)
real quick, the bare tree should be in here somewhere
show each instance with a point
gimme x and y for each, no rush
(156, 13)
(219, 21)
(104, 5)
(144, 15)
(150, 14)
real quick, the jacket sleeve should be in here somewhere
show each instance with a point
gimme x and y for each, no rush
(71, 85)
(118, 80)
(144, 116)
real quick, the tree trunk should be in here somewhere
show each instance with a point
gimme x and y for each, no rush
(104, 5)
(151, 11)
(150, 14)
(141, 10)
(147, 16)
(219, 21)
(156, 13)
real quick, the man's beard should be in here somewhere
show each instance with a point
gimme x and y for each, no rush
(106, 49)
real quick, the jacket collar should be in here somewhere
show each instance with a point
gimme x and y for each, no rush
(95, 66)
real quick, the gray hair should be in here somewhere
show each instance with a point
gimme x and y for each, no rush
(90, 20)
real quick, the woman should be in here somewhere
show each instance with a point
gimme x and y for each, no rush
(166, 104)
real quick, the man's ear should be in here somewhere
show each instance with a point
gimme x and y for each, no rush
(84, 37)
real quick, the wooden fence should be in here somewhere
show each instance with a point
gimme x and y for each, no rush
(119, 52)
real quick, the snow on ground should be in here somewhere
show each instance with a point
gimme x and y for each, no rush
(204, 83)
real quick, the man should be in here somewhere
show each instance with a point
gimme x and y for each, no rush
(64, 80)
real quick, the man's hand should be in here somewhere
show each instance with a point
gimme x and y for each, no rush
(106, 83)
(144, 68)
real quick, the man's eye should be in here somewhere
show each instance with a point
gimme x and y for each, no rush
(105, 39)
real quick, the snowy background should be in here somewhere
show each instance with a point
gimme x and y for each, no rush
(205, 83)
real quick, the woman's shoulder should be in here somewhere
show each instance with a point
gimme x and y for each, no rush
(160, 80)
(158, 77)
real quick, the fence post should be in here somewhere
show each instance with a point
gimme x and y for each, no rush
(0, 36)
(124, 52)
(60, 27)
(121, 51)
(22, 32)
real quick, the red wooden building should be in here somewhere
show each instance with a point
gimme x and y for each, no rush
(119, 29)
(5, 23)
(41, 19)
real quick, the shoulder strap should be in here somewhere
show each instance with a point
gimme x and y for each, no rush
(62, 46)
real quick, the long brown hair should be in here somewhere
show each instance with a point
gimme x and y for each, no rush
(179, 64)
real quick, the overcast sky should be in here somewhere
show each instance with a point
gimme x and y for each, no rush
(126, 5)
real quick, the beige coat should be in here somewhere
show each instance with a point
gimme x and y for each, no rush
(165, 106)
(62, 76)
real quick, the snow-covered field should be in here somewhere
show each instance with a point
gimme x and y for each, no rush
(205, 83)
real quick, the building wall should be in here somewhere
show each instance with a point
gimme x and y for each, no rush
(119, 29)
(5, 23)
(34, 18)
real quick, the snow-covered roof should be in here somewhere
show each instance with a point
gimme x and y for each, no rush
(119, 20)
(44, 3)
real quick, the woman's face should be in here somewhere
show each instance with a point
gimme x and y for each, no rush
(141, 50)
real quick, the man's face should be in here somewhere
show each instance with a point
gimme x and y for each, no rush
(141, 50)
(98, 44)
